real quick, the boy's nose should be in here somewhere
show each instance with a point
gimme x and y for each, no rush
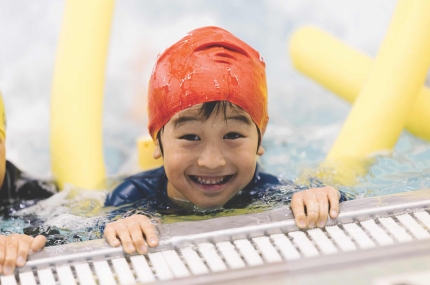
(211, 157)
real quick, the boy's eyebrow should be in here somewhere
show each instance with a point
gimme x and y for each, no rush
(184, 119)
(239, 118)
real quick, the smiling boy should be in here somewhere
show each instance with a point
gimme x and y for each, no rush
(207, 107)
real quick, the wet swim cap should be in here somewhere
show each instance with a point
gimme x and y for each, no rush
(2, 119)
(208, 64)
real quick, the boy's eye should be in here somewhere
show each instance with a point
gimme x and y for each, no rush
(232, 136)
(190, 138)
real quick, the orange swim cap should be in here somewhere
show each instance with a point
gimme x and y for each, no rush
(208, 64)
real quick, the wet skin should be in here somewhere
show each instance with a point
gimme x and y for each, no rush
(209, 160)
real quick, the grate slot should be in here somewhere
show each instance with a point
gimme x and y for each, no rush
(142, 269)
(268, 251)
(27, 278)
(84, 273)
(380, 236)
(195, 263)
(424, 218)
(395, 229)
(123, 271)
(175, 263)
(104, 273)
(285, 246)
(413, 226)
(251, 256)
(65, 275)
(341, 239)
(210, 255)
(303, 243)
(357, 233)
(8, 280)
(45, 276)
(160, 265)
(322, 241)
(228, 251)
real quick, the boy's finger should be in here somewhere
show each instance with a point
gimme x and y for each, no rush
(110, 236)
(2, 251)
(137, 237)
(299, 211)
(150, 232)
(11, 254)
(126, 241)
(333, 198)
(323, 209)
(38, 243)
(312, 210)
(24, 244)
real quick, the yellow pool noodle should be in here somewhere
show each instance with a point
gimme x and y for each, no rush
(77, 94)
(146, 147)
(386, 99)
(387, 96)
(2, 119)
(343, 70)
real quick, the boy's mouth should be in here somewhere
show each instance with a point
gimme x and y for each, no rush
(205, 180)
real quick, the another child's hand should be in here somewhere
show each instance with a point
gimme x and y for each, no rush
(15, 248)
(318, 202)
(132, 233)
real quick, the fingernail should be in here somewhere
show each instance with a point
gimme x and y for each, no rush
(131, 247)
(302, 223)
(30, 252)
(333, 213)
(152, 240)
(321, 224)
(20, 261)
(7, 270)
(142, 249)
(311, 225)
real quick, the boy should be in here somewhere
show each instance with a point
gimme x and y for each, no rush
(15, 187)
(207, 108)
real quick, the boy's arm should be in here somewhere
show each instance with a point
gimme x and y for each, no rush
(318, 202)
(134, 233)
(15, 248)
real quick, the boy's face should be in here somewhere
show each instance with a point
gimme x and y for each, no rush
(207, 161)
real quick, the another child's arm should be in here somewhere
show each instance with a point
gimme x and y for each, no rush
(134, 233)
(15, 248)
(318, 202)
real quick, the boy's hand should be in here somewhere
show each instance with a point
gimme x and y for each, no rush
(317, 201)
(15, 248)
(130, 232)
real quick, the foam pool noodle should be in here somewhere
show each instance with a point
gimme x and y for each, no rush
(387, 94)
(343, 70)
(2, 119)
(77, 94)
(146, 147)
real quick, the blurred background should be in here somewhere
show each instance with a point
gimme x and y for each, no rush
(304, 118)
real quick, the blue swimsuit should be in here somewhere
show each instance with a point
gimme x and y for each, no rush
(148, 191)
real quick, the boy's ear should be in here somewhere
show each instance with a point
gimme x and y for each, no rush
(157, 151)
(260, 150)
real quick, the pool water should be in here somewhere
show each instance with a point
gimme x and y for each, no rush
(78, 215)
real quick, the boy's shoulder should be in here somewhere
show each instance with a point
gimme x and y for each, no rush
(139, 186)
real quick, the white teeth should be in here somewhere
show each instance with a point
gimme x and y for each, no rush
(209, 181)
